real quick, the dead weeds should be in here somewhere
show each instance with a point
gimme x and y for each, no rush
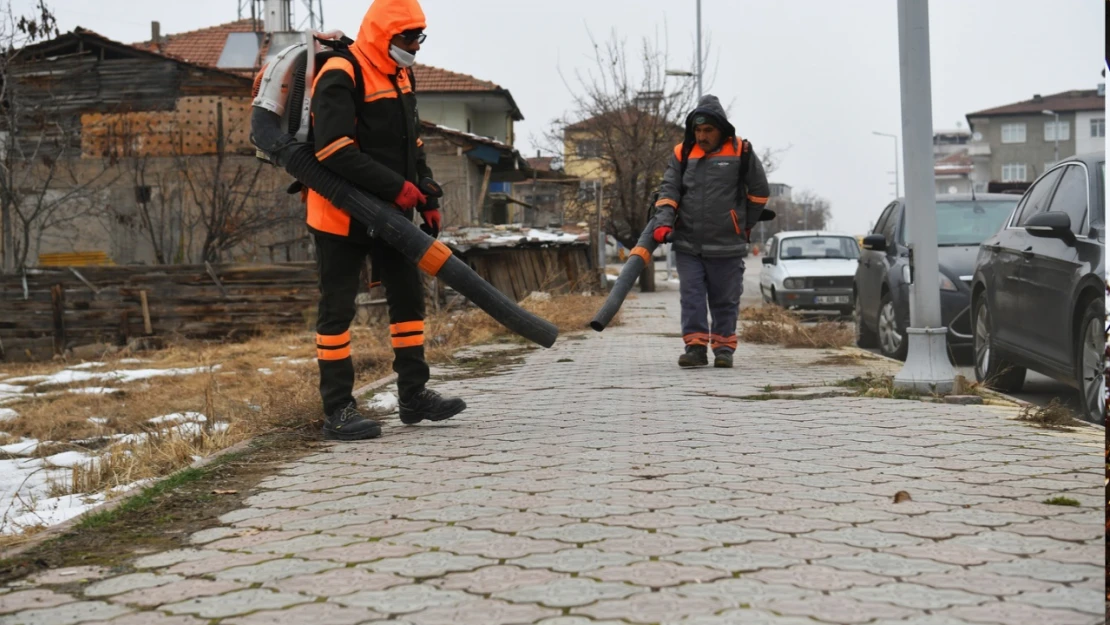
(1054, 416)
(774, 325)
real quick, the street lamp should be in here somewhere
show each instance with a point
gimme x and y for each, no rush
(680, 73)
(897, 188)
(1055, 131)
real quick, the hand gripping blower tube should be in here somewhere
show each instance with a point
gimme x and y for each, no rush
(280, 115)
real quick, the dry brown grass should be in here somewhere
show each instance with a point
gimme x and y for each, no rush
(249, 401)
(1054, 416)
(773, 325)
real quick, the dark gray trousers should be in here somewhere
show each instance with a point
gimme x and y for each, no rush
(713, 286)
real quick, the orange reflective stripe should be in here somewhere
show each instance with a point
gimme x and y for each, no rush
(667, 202)
(642, 253)
(334, 147)
(336, 62)
(406, 327)
(333, 340)
(401, 342)
(434, 259)
(755, 199)
(334, 354)
(735, 223)
(728, 341)
(678, 151)
(696, 339)
(419, 143)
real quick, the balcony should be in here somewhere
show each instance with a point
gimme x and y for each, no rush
(978, 149)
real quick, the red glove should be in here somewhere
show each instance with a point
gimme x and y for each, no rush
(410, 197)
(660, 234)
(433, 219)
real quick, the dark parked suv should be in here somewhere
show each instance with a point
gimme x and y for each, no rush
(882, 283)
(1038, 295)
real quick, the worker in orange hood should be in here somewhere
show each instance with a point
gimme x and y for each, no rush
(367, 130)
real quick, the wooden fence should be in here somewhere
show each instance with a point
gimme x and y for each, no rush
(49, 310)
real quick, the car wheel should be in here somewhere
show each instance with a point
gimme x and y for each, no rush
(892, 336)
(1091, 361)
(991, 367)
(865, 336)
(774, 298)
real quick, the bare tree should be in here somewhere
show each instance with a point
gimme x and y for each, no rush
(225, 187)
(626, 122)
(43, 187)
(803, 211)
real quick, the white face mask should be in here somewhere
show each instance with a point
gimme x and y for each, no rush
(403, 58)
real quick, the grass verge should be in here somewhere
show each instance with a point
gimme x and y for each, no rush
(774, 325)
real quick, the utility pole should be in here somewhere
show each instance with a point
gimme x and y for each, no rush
(599, 190)
(927, 367)
(699, 50)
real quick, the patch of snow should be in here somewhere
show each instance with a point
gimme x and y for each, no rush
(280, 358)
(265, 371)
(52, 511)
(67, 376)
(95, 390)
(131, 361)
(98, 420)
(7, 414)
(299, 361)
(88, 365)
(69, 459)
(221, 427)
(24, 447)
(538, 296)
(382, 403)
(9, 389)
(178, 417)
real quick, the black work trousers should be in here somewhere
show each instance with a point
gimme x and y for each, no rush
(340, 264)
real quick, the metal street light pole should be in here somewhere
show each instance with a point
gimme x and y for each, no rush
(897, 178)
(927, 367)
(1055, 132)
(699, 50)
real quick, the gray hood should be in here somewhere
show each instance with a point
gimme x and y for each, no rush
(711, 106)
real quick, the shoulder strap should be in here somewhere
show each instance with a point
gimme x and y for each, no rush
(683, 160)
(745, 163)
(342, 49)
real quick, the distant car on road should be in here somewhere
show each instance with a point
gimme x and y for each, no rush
(1038, 293)
(810, 270)
(882, 279)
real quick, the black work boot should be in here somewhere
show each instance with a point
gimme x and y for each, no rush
(430, 405)
(722, 360)
(695, 356)
(348, 424)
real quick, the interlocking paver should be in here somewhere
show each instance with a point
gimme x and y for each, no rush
(432, 564)
(1019, 614)
(656, 574)
(66, 614)
(127, 583)
(177, 591)
(31, 600)
(481, 612)
(338, 582)
(314, 613)
(570, 489)
(233, 604)
(493, 579)
(566, 593)
(71, 575)
(817, 577)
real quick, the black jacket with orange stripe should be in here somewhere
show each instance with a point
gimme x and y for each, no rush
(370, 138)
(708, 206)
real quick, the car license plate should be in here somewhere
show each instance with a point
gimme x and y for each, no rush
(831, 299)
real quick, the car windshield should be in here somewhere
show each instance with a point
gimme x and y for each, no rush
(970, 223)
(796, 248)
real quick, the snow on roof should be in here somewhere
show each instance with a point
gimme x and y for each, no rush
(487, 237)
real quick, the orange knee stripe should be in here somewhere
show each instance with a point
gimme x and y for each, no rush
(333, 340)
(434, 259)
(642, 253)
(406, 327)
(334, 354)
(401, 342)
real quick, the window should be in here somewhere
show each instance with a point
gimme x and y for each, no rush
(1036, 198)
(1054, 131)
(588, 148)
(1013, 133)
(1098, 127)
(819, 247)
(890, 228)
(881, 224)
(967, 223)
(1071, 197)
(1013, 172)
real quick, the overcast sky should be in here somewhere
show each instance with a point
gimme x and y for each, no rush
(812, 75)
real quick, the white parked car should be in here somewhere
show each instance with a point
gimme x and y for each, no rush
(810, 271)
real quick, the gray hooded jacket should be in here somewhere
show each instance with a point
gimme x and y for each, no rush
(709, 209)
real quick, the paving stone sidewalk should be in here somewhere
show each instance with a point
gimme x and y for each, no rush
(596, 483)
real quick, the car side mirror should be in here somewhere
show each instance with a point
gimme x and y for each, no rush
(767, 260)
(1051, 225)
(767, 215)
(874, 243)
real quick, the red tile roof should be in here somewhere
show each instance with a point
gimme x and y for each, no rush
(958, 163)
(204, 47)
(1067, 101)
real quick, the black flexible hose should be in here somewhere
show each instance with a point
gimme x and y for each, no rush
(390, 225)
(632, 269)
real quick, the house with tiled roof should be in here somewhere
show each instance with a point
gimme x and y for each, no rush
(1013, 144)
